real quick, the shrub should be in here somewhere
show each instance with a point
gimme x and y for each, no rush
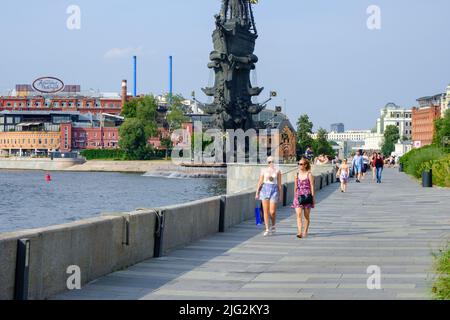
(103, 154)
(441, 171)
(441, 287)
(413, 160)
(118, 154)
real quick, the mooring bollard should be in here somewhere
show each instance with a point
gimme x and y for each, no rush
(427, 179)
(159, 233)
(22, 270)
(285, 191)
(223, 201)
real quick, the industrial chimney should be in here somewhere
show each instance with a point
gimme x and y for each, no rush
(124, 92)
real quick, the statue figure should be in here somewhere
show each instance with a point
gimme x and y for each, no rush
(232, 60)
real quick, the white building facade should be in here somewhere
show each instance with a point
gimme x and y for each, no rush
(373, 142)
(351, 135)
(352, 140)
(393, 115)
(445, 101)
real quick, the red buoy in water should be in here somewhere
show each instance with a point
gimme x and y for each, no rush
(48, 178)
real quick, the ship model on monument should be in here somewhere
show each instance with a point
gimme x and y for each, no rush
(232, 60)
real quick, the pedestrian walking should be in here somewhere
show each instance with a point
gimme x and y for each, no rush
(372, 164)
(304, 199)
(357, 165)
(269, 191)
(343, 175)
(379, 164)
(366, 162)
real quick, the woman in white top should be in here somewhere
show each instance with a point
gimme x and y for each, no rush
(269, 191)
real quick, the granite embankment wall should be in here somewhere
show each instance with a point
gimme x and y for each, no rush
(44, 164)
(112, 242)
(161, 168)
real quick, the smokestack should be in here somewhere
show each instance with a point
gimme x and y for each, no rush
(124, 92)
(135, 76)
(170, 79)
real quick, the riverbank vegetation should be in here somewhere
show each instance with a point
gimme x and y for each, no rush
(118, 155)
(441, 286)
(103, 154)
(435, 157)
(143, 121)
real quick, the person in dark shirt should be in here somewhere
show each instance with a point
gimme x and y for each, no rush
(309, 154)
(379, 165)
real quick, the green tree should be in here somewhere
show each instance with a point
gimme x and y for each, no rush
(391, 136)
(442, 132)
(304, 129)
(140, 124)
(129, 108)
(321, 144)
(134, 139)
(176, 115)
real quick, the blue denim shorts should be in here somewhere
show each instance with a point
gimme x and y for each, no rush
(269, 192)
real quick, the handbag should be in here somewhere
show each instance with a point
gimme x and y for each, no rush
(305, 199)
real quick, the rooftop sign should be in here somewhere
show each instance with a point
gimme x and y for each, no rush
(48, 85)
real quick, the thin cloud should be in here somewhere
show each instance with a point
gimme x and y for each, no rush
(118, 53)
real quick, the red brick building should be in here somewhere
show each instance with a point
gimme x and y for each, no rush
(42, 132)
(73, 138)
(70, 99)
(423, 128)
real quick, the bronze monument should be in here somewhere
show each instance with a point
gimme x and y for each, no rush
(232, 60)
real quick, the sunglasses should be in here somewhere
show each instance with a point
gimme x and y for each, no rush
(302, 164)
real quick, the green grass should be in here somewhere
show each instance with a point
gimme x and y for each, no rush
(441, 287)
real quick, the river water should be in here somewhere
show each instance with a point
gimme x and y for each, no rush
(28, 201)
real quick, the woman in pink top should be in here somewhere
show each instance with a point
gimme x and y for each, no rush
(304, 199)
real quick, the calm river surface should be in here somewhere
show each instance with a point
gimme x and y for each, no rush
(28, 201)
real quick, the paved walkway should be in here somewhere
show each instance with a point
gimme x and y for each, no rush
(396, 226)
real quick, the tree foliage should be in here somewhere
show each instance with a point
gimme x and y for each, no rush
(176, 115)
(140, 124)
(391, 137)
(321, 144)
(304, 130)
(442, 132)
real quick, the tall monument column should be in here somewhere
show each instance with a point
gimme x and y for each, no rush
(232, 60)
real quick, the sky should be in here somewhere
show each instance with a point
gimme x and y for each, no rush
(319, 55)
